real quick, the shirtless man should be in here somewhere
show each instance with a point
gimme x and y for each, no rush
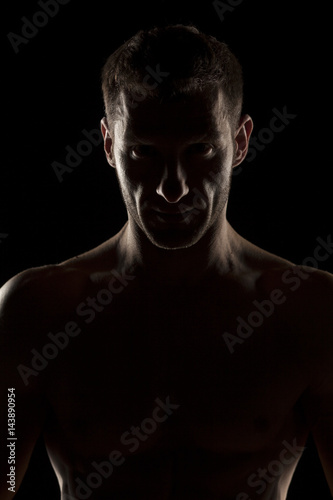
(176, 360)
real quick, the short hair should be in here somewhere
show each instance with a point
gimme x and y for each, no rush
(188, 60)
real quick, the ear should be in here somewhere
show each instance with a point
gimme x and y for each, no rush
(108, 145)
(242, 139)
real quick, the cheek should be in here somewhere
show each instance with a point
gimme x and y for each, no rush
(128, 184)
(216, 184)
(125, 174)
(219, 171)
(131, 186)
(134, 173)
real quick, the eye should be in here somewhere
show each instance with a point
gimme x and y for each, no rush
(142, 151)
(201, 148)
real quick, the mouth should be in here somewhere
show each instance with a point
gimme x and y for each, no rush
(173, 216)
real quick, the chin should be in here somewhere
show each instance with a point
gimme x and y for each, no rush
(174, 239)
(174, 235)
(171, 246)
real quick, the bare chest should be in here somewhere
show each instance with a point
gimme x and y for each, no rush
(160, 375)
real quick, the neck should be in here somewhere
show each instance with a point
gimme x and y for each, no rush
(214, 252)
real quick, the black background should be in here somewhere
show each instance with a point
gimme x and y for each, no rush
(51, 92)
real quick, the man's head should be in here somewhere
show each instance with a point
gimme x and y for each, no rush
(168, 63)
(173, 131)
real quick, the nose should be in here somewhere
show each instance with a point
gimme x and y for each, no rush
(173, 186)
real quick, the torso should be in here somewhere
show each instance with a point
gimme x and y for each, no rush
(232, 414)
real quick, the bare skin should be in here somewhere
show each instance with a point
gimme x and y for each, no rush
(152, 396)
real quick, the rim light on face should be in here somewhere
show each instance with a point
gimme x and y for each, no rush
(176, 153)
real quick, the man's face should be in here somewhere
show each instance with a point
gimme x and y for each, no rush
(174, 163)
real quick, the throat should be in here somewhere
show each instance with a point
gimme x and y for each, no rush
(214, 254)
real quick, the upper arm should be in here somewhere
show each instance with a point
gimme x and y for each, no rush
(22, 416)
(323, 429)
(24, 423)
(32, 304)
(322, 388)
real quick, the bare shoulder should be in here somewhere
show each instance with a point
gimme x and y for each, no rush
(306, 298)
(274, 270)
(311, 296)
(36, 298)
(309, 289)
(45, 283)
(40, 296)
(306, 292)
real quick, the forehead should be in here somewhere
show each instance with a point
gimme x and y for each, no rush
(194, 116)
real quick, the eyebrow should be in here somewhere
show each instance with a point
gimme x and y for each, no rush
(148, 137)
